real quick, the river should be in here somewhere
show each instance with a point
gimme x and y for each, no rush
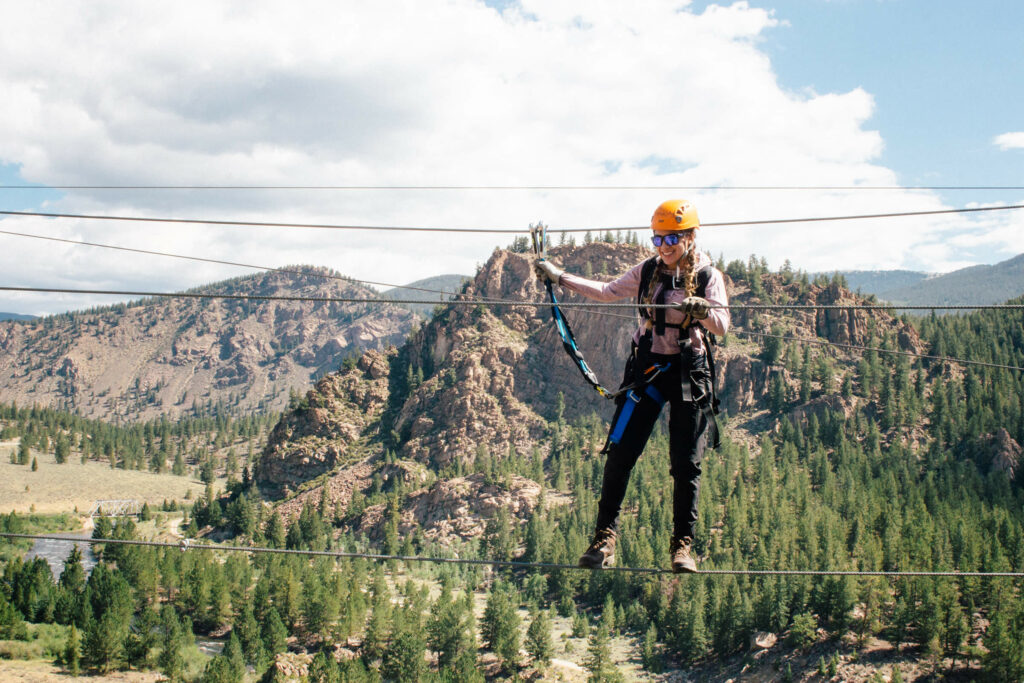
(56, 551)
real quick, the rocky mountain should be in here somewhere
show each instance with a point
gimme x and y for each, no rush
(178, 356)
(482, 381)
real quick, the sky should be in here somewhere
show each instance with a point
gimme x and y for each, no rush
(654, 96)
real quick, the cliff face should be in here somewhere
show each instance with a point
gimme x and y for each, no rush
(167, 356)
(317, 435)
(485, 380)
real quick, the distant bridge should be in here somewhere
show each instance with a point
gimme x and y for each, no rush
(115, 508)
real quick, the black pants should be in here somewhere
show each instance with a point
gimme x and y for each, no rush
(689, 423)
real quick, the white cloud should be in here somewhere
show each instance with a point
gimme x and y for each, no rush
(427, 92)
(1009, 140)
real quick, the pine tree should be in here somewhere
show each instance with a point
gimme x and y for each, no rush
(72, 654)
(112, 603)
(403, 659)
(776, 394)
(773, 346)
(249, 637)
(690, 637)
(650, 654)
(599, 660)
(72, 578)
(1004, 640)
(324, 669)
(320, 602)
(194, 598)
(143, 638)
(172, 659)
(538, 639)
(178, 468)
(500, 625)
(228, 666)
(274, 634)
(375, 639)
(218, 611)
(806, 377)
(803, 631)
(448, 628)
(62, 449)
(825, 374)
(275, 531)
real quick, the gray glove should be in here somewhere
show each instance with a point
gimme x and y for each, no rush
(695, 307)
(546, 270)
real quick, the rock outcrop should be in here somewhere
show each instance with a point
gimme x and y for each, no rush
(459, 508)
(319, 432)
(996, 452)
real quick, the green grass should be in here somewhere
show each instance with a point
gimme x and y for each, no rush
(195, 662)
(42, 641)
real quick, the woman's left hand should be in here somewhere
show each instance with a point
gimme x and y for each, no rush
(695, 307)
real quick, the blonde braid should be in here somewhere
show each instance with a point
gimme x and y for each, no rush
(689, 276)
(649, 294)
(691, 271)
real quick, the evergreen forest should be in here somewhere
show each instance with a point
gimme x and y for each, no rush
(906, 481)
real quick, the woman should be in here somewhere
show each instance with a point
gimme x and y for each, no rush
(669, 363)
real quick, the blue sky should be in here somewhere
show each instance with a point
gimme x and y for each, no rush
(649, 93)
(22, 200)
(947, 78)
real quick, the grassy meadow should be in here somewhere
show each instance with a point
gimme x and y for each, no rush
(73, 486)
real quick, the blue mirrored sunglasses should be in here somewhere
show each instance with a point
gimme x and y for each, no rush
(671, 239)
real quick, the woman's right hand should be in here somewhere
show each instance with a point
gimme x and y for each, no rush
(546, 270)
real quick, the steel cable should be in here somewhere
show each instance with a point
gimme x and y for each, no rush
(617, 188)
(511, 564)
(203, 259)
(506, 302)
(512, 231)
(825, 342)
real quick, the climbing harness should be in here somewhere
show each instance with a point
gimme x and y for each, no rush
(693, 389)
(642, 376)
(538, 235)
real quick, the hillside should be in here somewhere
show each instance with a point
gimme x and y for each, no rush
(974, 285)
(878, 281)
(174, 357)
(982, 284)
(452, 284)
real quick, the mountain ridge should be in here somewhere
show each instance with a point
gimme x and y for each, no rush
(981, 284)
(173, 355)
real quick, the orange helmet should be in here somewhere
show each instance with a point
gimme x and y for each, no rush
(675, 214)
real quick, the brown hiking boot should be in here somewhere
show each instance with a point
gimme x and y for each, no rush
(601, 552)
(682, 561)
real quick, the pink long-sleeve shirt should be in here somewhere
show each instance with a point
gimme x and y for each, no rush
(628, 286)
